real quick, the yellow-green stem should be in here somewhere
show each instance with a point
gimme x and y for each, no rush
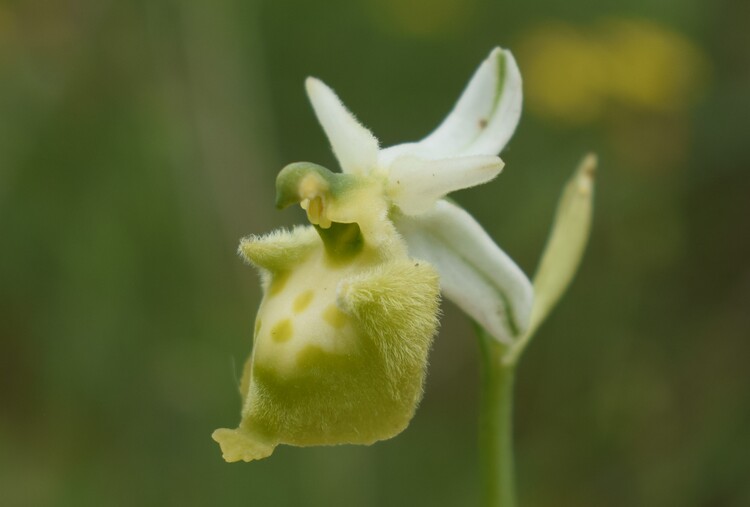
(496, 424)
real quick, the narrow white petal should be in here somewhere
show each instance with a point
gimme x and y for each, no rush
(354, 146)
(415, 184)
(482, 121)
(474, 273)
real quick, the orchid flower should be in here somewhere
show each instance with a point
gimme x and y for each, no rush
(351, 302)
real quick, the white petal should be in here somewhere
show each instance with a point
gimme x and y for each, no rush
(482, 121)
(414, 184)
(474, 273)
(354, 146)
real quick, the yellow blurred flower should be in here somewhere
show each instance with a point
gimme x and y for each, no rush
(574, 75)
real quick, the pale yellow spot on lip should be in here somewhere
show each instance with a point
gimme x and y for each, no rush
(302, 301)
(335, 317)
(282, 331)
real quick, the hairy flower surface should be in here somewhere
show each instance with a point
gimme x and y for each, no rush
(351, 303)
(345, 325)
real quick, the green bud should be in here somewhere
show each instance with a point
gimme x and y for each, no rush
(566, 242)
(564, 250)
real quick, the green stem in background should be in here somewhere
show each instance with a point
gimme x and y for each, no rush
(496, 423)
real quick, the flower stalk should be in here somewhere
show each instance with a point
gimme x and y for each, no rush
(497, 470)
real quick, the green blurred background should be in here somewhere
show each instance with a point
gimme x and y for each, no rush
(140, 140)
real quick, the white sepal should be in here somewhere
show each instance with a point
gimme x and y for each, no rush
(482, 121)
(474, 273)
(354, 146)
(415, 184)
